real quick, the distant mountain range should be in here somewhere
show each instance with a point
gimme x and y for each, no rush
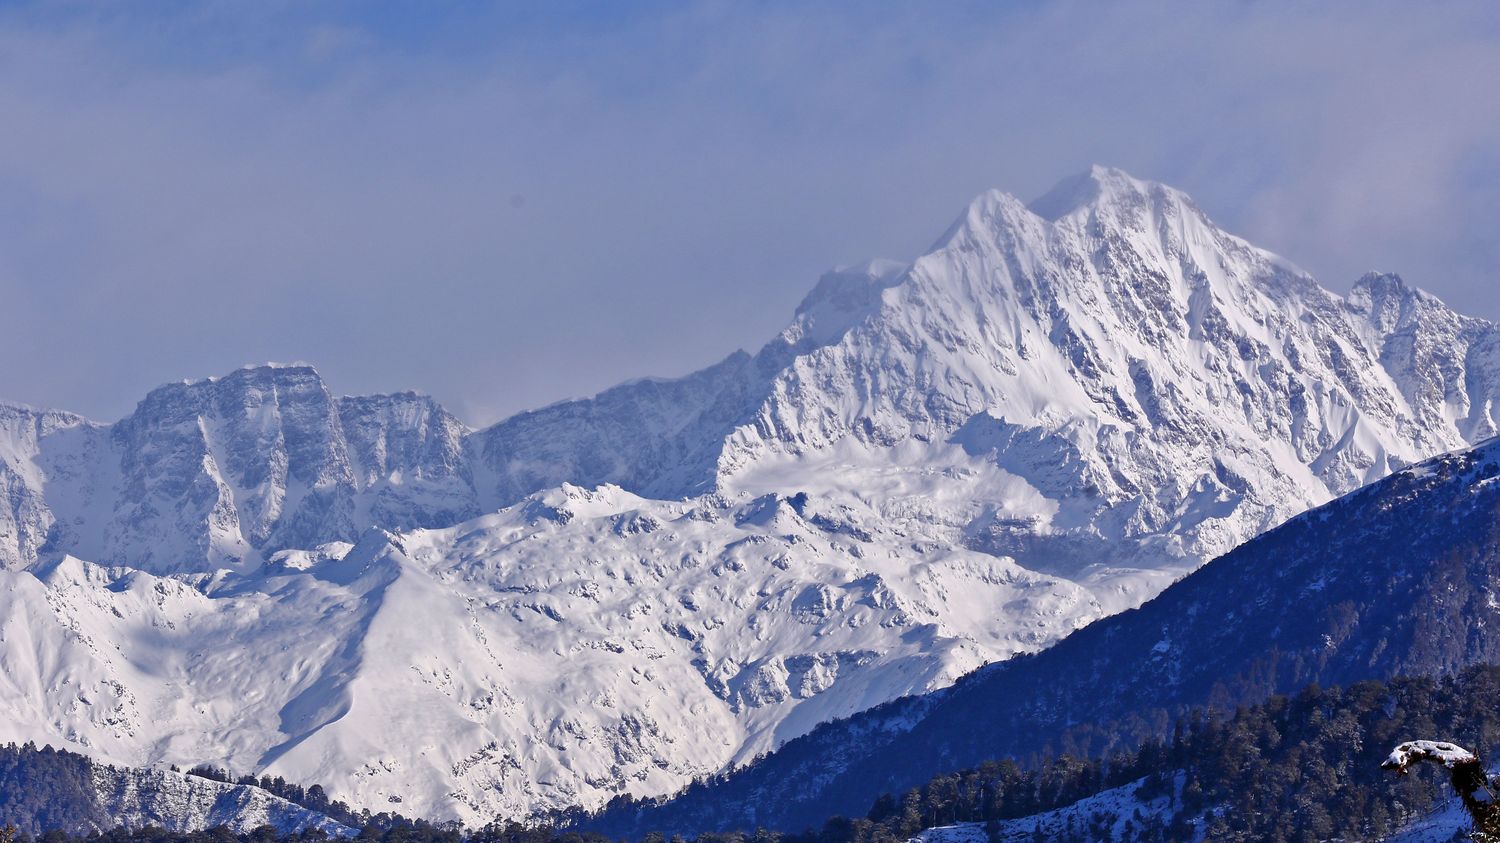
(1046, 419)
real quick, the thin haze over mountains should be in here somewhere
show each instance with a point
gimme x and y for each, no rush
(506, 208)
(1045, 419)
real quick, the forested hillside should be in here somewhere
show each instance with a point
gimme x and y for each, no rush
(46, 790)
(1296, 768)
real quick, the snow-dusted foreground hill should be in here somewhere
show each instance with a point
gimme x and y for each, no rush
(1047, 418)
(1118, 813)
(181, 802)
(44, 790)
(1121, 814)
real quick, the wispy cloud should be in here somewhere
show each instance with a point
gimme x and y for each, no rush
(505, 209)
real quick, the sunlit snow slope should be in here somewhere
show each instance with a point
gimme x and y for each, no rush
(1045, 419)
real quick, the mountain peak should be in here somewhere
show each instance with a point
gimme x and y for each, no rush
(250, 373)
(988, 211)
(194, 396)
(1376, 287)
(1385, 299)
(1101, 193)
(841, 298)
(258, 371)
(1094, 187)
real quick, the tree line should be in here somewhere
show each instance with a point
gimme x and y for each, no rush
(1303, 767)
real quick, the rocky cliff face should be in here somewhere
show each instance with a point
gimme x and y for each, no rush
(27, 517)
(222, 473)
(1054, 413)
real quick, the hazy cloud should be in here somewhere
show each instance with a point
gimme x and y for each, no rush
(504, 208)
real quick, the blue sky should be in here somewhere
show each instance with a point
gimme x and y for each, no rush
(506, 204)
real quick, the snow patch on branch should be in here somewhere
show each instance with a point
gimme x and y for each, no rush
(1439, 752)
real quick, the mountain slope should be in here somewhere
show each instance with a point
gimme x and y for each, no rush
(576, 645)
(1112, 814)
(45, 790)
(1046, 419)
(1398, 578)
(1311, 764)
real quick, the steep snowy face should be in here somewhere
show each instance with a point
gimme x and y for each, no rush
(1169, 389)
(665, 438)
(1164, 382)
(1446, 365)
(217, 470)
(409, 464)
(26, 515)
(657, 437)
(221, 473)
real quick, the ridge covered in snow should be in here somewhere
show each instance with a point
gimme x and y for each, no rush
(1047, 418)
(1111, 814)
(1395, 579)
(181, 802)
(45, 790)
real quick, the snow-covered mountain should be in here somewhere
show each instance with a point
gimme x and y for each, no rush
(1398, 578)
(218, 474)
(1047, 418)
(558, 651)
